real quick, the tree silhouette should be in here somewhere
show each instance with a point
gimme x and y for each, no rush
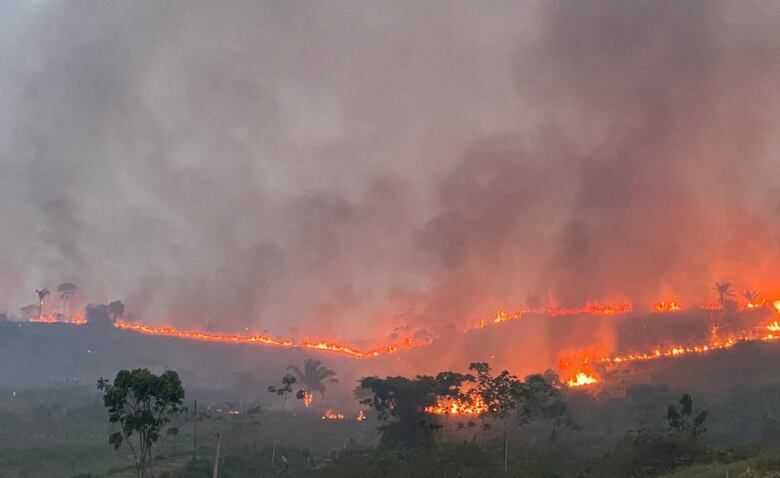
(751, 296)
(724, 290)
(684, 422)
(314, 376)
(42, 293)
(115, 310)
(66, 291)
(286, 389)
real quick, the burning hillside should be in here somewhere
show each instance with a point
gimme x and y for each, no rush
(579, 355)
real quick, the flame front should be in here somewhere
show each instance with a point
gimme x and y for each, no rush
(307, 399)
(266, 340)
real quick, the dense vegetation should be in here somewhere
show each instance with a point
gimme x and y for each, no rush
(553, 431)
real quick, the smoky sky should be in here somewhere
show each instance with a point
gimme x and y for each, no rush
(348, 168)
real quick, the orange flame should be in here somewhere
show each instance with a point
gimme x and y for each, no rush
(450, 406)
(361, 416)
(265, 340)
(663, 306)
(307, 399)
(331, 415)
(582, 379)
(59, 319)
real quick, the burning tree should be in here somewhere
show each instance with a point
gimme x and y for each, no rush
(313, 378)
(142, 404)
(401, 405)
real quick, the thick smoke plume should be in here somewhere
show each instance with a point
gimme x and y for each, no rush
(349, 169)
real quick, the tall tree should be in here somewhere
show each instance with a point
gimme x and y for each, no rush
(314, 376)
(724, 290)
(142, 404)
(42, 293)
(511, 401)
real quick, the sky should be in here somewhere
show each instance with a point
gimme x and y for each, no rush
(351, 169)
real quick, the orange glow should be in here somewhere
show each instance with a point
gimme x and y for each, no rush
(307, 399)
(663, 306)
(60, 319)
(449, 406)
(361, 416)
(331, 415)
(265, 340)
(776, 305)
(591, 307)
(715, 343)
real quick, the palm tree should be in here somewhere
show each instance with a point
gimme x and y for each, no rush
(751, 296)
(42, 293)
(313, 376)
(724, 290)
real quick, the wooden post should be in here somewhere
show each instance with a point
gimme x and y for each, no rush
(195, 436)
(216, 458)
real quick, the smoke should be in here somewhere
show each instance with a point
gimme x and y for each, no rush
(347, 170)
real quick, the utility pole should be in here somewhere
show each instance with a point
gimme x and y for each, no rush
(216, 458)
(195, 436)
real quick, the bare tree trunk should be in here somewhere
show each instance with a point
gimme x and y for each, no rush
(195, 435)
(506, 448)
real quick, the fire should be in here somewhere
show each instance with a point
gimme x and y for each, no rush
(361, 416)
(776, 305)
(663, 306)
(591, 307)
(264, 340)
(331, 415)
(450, 406)
(582, 379)
(59, 319)
(578, 368)
(307, 399)
(715, 343)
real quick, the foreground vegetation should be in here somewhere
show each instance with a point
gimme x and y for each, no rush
(547, 431)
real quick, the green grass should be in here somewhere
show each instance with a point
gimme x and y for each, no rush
(57, 461)
(765, 464)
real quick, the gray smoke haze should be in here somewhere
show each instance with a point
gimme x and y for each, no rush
(349, 168)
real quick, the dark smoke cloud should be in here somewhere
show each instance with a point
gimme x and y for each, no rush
(351, 169)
